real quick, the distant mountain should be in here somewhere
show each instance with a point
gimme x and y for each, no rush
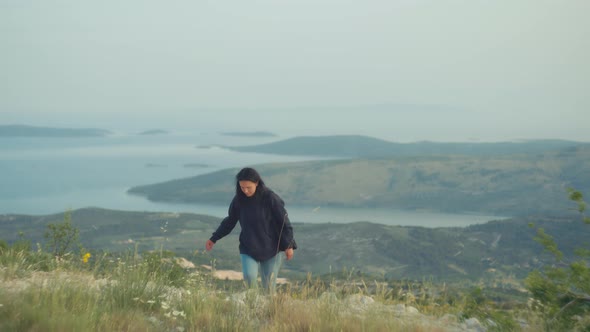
(31, 131)
(491, 251)
(196, 165)
(154, 132)
(504, 185)
(364, 146)
(250, 134)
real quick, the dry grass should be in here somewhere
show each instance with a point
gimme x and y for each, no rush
(133, 294)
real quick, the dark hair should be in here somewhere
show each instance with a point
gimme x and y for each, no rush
(249, 174)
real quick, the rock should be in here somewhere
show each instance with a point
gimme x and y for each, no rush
(411, 310)
(474, 324)
(399, 308)
(360, 300)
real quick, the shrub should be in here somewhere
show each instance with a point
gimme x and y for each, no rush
(62, 236)
(562, 291)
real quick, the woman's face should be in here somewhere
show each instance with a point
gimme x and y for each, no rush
(248, 187)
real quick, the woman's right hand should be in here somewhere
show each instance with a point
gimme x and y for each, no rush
(209, 245)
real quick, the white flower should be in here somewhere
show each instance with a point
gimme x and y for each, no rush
(176, 313)
(165, 306)
(151, 301)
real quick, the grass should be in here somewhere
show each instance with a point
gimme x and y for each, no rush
(150, 292)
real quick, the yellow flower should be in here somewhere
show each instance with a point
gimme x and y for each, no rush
(86, 257)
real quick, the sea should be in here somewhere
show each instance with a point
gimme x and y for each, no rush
(41, 175)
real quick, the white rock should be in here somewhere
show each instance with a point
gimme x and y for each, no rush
(358, 299)
(399, 308)
(474, 324)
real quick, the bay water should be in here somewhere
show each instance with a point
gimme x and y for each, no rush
(41, 176)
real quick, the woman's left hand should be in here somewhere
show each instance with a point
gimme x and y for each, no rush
(289, 253)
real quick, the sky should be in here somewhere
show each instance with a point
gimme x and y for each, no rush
(403, 70)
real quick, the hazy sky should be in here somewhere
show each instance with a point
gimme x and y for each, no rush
(405, 70)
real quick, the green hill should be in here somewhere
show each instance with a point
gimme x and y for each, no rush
(508, 185)
(490, 251)
(362, 146)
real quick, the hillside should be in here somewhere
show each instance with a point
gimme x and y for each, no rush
(31, 131)
(490, 251)
(351, 146)
(507, 185)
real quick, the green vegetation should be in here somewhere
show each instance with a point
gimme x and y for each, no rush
(154, 291)
(140, 284)
(103, 270)
(497, 252)
(505, 185)
(562, 291)
(61, 236)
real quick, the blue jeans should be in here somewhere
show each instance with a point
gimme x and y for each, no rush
(269, 270)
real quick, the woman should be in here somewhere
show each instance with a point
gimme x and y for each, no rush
(266, 229)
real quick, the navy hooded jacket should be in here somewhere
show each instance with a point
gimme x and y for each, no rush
(263, 219)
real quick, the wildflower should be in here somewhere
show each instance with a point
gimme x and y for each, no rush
(165, 306)
(151, 301)
(86, 257)
(176, 313)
